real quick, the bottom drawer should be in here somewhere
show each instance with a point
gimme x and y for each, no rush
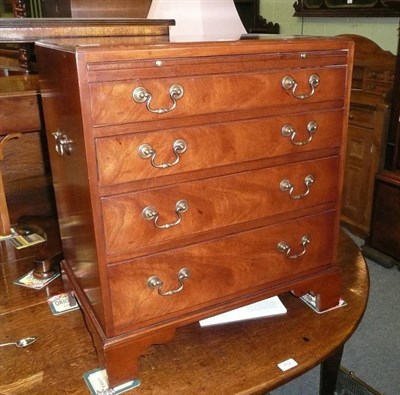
(220, 270)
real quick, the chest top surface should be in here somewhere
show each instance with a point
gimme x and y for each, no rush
(145, 46)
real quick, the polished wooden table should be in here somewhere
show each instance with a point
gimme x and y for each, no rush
(239, 358)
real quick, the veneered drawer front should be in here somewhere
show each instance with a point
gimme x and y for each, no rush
(119, 159)
(219, 270)
(113, 103)
(214, 203)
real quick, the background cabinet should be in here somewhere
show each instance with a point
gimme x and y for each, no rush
(367, 123)
(372, 85)
(383, 244)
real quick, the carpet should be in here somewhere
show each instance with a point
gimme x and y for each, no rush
(349, 384)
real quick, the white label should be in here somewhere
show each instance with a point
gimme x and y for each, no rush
(349, 1)
(288, 364)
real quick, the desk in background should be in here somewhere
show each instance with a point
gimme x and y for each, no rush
(24, 167)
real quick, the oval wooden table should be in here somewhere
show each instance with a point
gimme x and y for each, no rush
(239, 358)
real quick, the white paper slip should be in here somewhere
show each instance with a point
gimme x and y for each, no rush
(265, 308)
(288, 364)
(62, 303)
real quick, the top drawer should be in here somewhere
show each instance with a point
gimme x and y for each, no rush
(155, 99)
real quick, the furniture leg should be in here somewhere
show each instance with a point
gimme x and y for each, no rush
(329, 372)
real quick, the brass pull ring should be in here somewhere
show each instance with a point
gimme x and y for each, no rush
(287, 186)
(289, 83)
(146, 151)
(154, 282)
(63, 145)
(288, 131)
(141, 95)
(286, 249)
(151, 214)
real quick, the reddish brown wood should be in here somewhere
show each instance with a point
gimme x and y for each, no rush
(208, 88)
(228, 238)
(223, 279)
(131, 234)
(118, 156)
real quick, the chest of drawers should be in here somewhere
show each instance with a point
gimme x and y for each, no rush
(193, 178)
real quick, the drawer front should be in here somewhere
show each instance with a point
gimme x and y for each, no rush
(386, 76)
(377, 88)
(113, 102)
(214, 203)
(361, 117)
(219, 270)
(123, 159)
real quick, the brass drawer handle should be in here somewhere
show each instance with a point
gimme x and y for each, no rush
(289, 83)
(288, 131)
(155, 282)
(286, 249)
(141, 95)
(146, 151)
(151, 214)
(63, 143)
(287, 186)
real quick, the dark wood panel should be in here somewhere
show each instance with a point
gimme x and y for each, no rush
(383, 245)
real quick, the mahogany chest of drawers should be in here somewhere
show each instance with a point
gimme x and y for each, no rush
(193, 178)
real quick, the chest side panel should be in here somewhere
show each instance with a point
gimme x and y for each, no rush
(60, 93)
